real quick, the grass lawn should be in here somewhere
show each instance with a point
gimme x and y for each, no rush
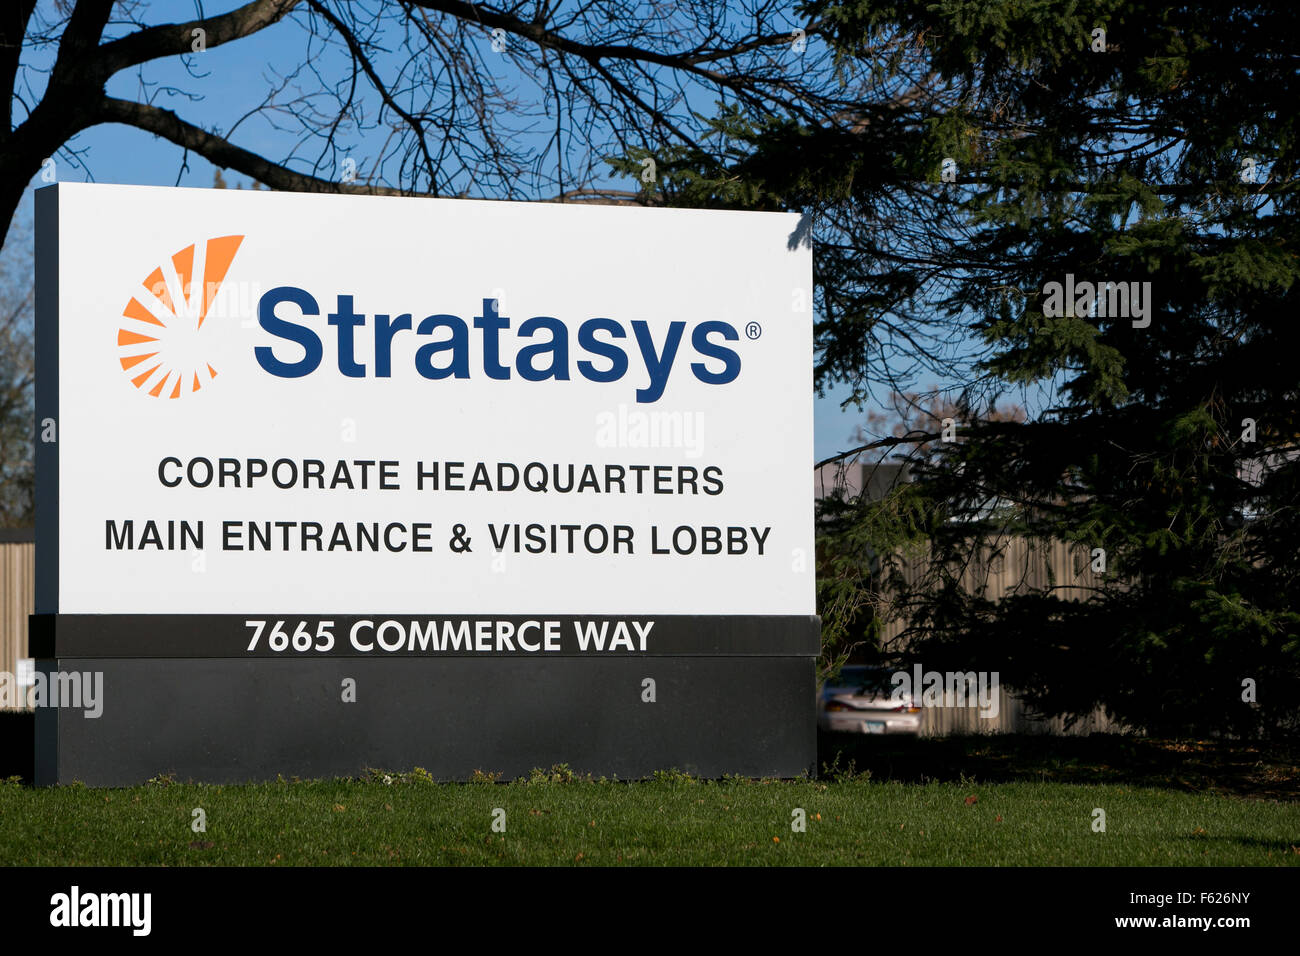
(1003, 800)
(667, 821)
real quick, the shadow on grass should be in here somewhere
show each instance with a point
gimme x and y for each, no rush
(1285, 847)
(1265, 771)
(17, 745)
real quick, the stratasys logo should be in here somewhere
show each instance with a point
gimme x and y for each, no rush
(164, 351)
(161, 338)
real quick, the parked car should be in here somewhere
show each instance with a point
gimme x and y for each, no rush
(861, 701)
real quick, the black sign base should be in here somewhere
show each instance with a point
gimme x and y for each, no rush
(233, 719)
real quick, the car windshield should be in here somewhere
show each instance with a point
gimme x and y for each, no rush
(876, 687)
(862, 680)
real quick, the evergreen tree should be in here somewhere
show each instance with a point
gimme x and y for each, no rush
(1103, 197)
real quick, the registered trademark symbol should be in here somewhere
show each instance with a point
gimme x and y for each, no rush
(753, 330)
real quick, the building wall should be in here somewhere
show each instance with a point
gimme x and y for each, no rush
(1015, 566)
(17, 597)
(1013, 718)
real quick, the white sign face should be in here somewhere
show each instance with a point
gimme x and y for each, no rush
(279, 402)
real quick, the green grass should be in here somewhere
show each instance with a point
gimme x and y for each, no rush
(669, 821)
(1167, 802)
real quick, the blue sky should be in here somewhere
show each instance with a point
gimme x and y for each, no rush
(220, 86)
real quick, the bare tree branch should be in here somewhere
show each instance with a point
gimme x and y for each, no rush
(220, 152)
(175, 39)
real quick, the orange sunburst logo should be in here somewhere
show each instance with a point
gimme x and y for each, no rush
(160, 340)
